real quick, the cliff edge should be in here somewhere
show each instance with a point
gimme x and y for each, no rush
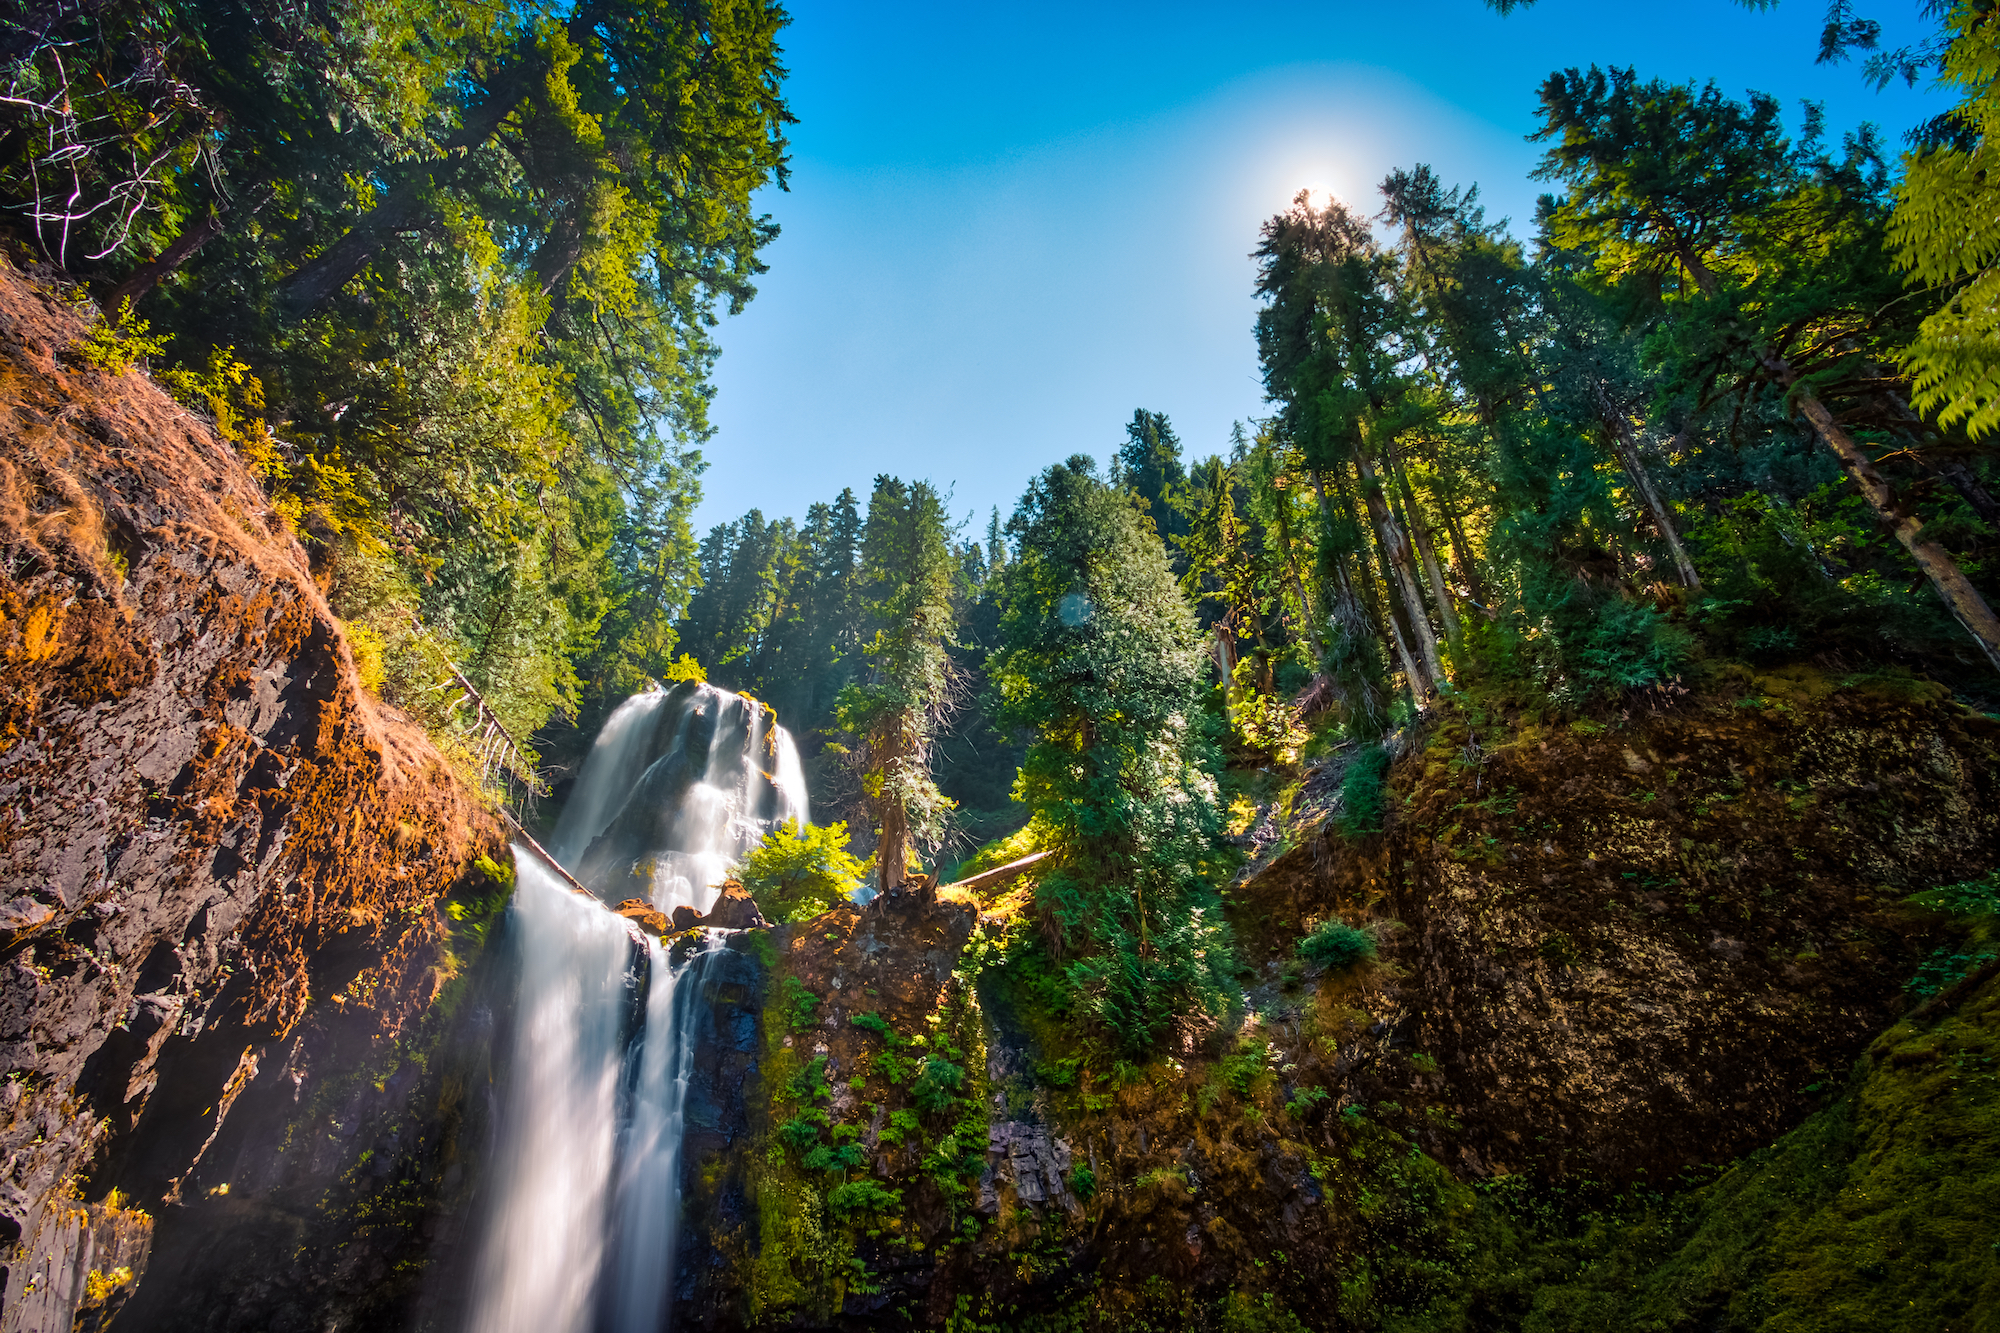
(221, 858)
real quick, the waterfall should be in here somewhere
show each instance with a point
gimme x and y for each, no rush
(585, 1195)
(679, 784)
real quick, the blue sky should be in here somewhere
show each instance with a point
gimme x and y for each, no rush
(1010, 225)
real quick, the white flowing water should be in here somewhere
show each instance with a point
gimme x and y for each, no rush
(546, 1235)
(617, 760)
(585, 1203)
(742, 778)
(647, 1217)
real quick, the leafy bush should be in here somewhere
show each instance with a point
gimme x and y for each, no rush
(796, 873)
(1243, 1313)
(846, 1157)
(901, 1123)
(1337, 946)
(1364, 792)
(1976, 904)
(1972, 897)
(797, 1004)
(810, 1084)
(801, 1132)
(862, 1196)
(937, 1084)
(878, 1025)
(1082, 1182)
(116, 342)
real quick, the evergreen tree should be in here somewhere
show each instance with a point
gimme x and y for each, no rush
(1765, 258)
(907, 576)
(1149, 465)
(1102, 665)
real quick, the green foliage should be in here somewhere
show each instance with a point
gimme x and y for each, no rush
(835, 1157)
(1024, 841)
(809, 1083)
(119, 341)
(1944, 234)
(938, 1084)
(878, 1025)
(902, 1123)
(1364, 791)
(797, 1004)
(466, 260)
(801, 1133)
(796, 873)
(1336, 946)
(862, 1196)
(1100, 663)
(907, 572)
(1246, 1066)
(1083, 1182)
(1264, 1313)
(1970, 898)
(1976, 906)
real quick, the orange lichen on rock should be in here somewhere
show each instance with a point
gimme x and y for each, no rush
(206, 824)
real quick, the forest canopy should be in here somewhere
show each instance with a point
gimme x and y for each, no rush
(448, 274)
(449, 277)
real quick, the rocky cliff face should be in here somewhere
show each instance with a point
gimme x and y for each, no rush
(222, 860)
(251, 1063)
(1610, 952)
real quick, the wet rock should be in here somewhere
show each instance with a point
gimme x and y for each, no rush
(649, 918)
(223, 858)
(734, 910)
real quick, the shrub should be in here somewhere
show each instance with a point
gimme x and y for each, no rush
(368, 648)
(1336, 946)
(878, 1025)
(1364, 792)
(796, 873)
(797, 1004)
(901, 1123)
(862, 1196)
(1082, 1182)
(801, 1132)
(810, 1084)
(846, 1157)
(937, 1084)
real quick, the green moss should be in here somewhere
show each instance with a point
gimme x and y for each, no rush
(1877, 1214)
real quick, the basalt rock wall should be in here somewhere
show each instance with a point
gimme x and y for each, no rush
(221, 858)
(1628, 947)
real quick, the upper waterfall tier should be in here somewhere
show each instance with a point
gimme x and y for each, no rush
(679, 784)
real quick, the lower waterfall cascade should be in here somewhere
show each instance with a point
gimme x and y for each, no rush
(585, 1200)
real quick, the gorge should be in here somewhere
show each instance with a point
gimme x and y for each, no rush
(1505, 838)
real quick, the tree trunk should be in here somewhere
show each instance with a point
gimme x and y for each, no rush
(559, 250)
(182, 248)
(1454, 633)
(892, 848)
(1627, 449)
(1461, 555)
(1225, 667)
(1964, 600)
(315, 281)
(1967, 485)
(1349, 628)
(1402, 579)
